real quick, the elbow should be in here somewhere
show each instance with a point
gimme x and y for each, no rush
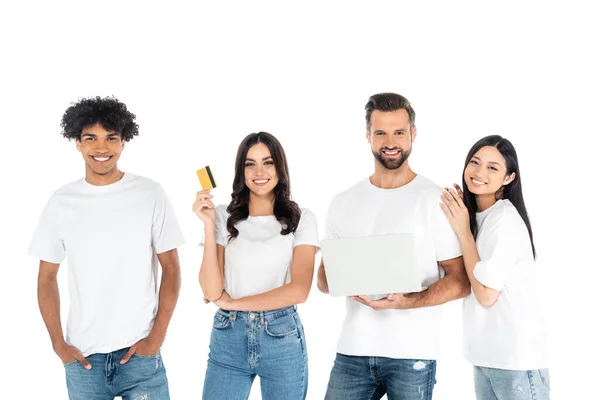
(212, 295)
(465, 289)
(323, 288)
(301, 296)
(486, 299)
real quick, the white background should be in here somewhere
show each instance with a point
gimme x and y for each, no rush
(201, 77)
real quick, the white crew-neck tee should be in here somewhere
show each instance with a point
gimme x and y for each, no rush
(509, 334)
(260, 258)
(110, 236)
(366, 210)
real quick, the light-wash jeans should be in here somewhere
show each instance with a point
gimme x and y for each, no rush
(503, 384)
(142, 377)
(369, 378)
(269, 344)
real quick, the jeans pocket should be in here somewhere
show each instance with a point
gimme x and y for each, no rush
(281, 326)
(141, 356)
(221, 320)
(545, 376)
(71, 363)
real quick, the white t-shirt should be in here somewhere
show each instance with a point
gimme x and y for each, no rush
(366, 210)
(510, 334)
(111, 235)
(260, 258)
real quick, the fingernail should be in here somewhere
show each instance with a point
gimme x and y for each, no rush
(88, 367)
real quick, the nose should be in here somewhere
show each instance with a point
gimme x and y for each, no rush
(101, 146)
(480, 171)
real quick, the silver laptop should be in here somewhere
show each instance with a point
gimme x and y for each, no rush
(372, 265)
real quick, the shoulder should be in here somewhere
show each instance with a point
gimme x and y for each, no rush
(427, 188)
(221, 211)
(69, 188)
(505, 216)
(307, 216)
(350, 194)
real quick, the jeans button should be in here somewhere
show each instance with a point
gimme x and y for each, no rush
(251, 315)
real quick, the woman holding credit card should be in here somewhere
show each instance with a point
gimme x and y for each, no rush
(503, 329)
(258, 263)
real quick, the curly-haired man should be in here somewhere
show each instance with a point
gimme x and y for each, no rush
(116, 228)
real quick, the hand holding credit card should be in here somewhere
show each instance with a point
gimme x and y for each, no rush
(203, 206)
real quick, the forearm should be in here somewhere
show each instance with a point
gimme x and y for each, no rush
(448, 288)
(322, 280)
(167, 300)
(284, 296)
(484, 295)
(49, 303)
(211, 276)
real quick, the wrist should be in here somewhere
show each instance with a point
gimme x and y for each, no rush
(58, 343)
(209, 227)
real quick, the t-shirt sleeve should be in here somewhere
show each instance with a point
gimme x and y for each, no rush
(166, 233)
(502, 248)
(47, 244)
(330, 229)
(445, 240)
(307, 232)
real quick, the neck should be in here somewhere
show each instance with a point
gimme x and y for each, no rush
(114, 175)
(261, 205)
(485, 201)
(391, 178)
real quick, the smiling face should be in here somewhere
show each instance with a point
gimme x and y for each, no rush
(101, 150)
(260, 174)
(391, 137)
(486, 173)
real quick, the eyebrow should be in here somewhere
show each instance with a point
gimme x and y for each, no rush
(395, 130)
(489, 162)
(94, 135)
(264, 158)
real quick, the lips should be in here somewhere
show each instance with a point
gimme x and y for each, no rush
(391, 153)
(101, 160)
(260, 182)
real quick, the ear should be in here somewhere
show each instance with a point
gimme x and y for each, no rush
(78, 144)
(122, 144)
(509, 179)
(369, 135)
(413, 133)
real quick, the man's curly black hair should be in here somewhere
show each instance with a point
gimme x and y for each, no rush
(108, 112)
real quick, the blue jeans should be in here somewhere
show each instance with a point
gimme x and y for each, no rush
(369, 378)
(269, 344)
(141, 378)
(503, 384)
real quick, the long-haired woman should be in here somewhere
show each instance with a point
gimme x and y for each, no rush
(503, 330)
(258, 262)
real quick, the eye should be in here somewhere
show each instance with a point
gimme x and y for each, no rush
(493, 168)
(269, 163)
(473, 162)
(249, 164)
(399, 133)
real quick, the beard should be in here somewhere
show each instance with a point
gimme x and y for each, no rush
(392, 164)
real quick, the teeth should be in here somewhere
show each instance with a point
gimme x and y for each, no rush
(101, 158)
(391, 153)
(477, 182)
(261, 181)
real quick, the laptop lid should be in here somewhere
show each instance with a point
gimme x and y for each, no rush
(371, 265)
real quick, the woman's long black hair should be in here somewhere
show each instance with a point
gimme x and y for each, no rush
(512, 191)
(286, 211)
